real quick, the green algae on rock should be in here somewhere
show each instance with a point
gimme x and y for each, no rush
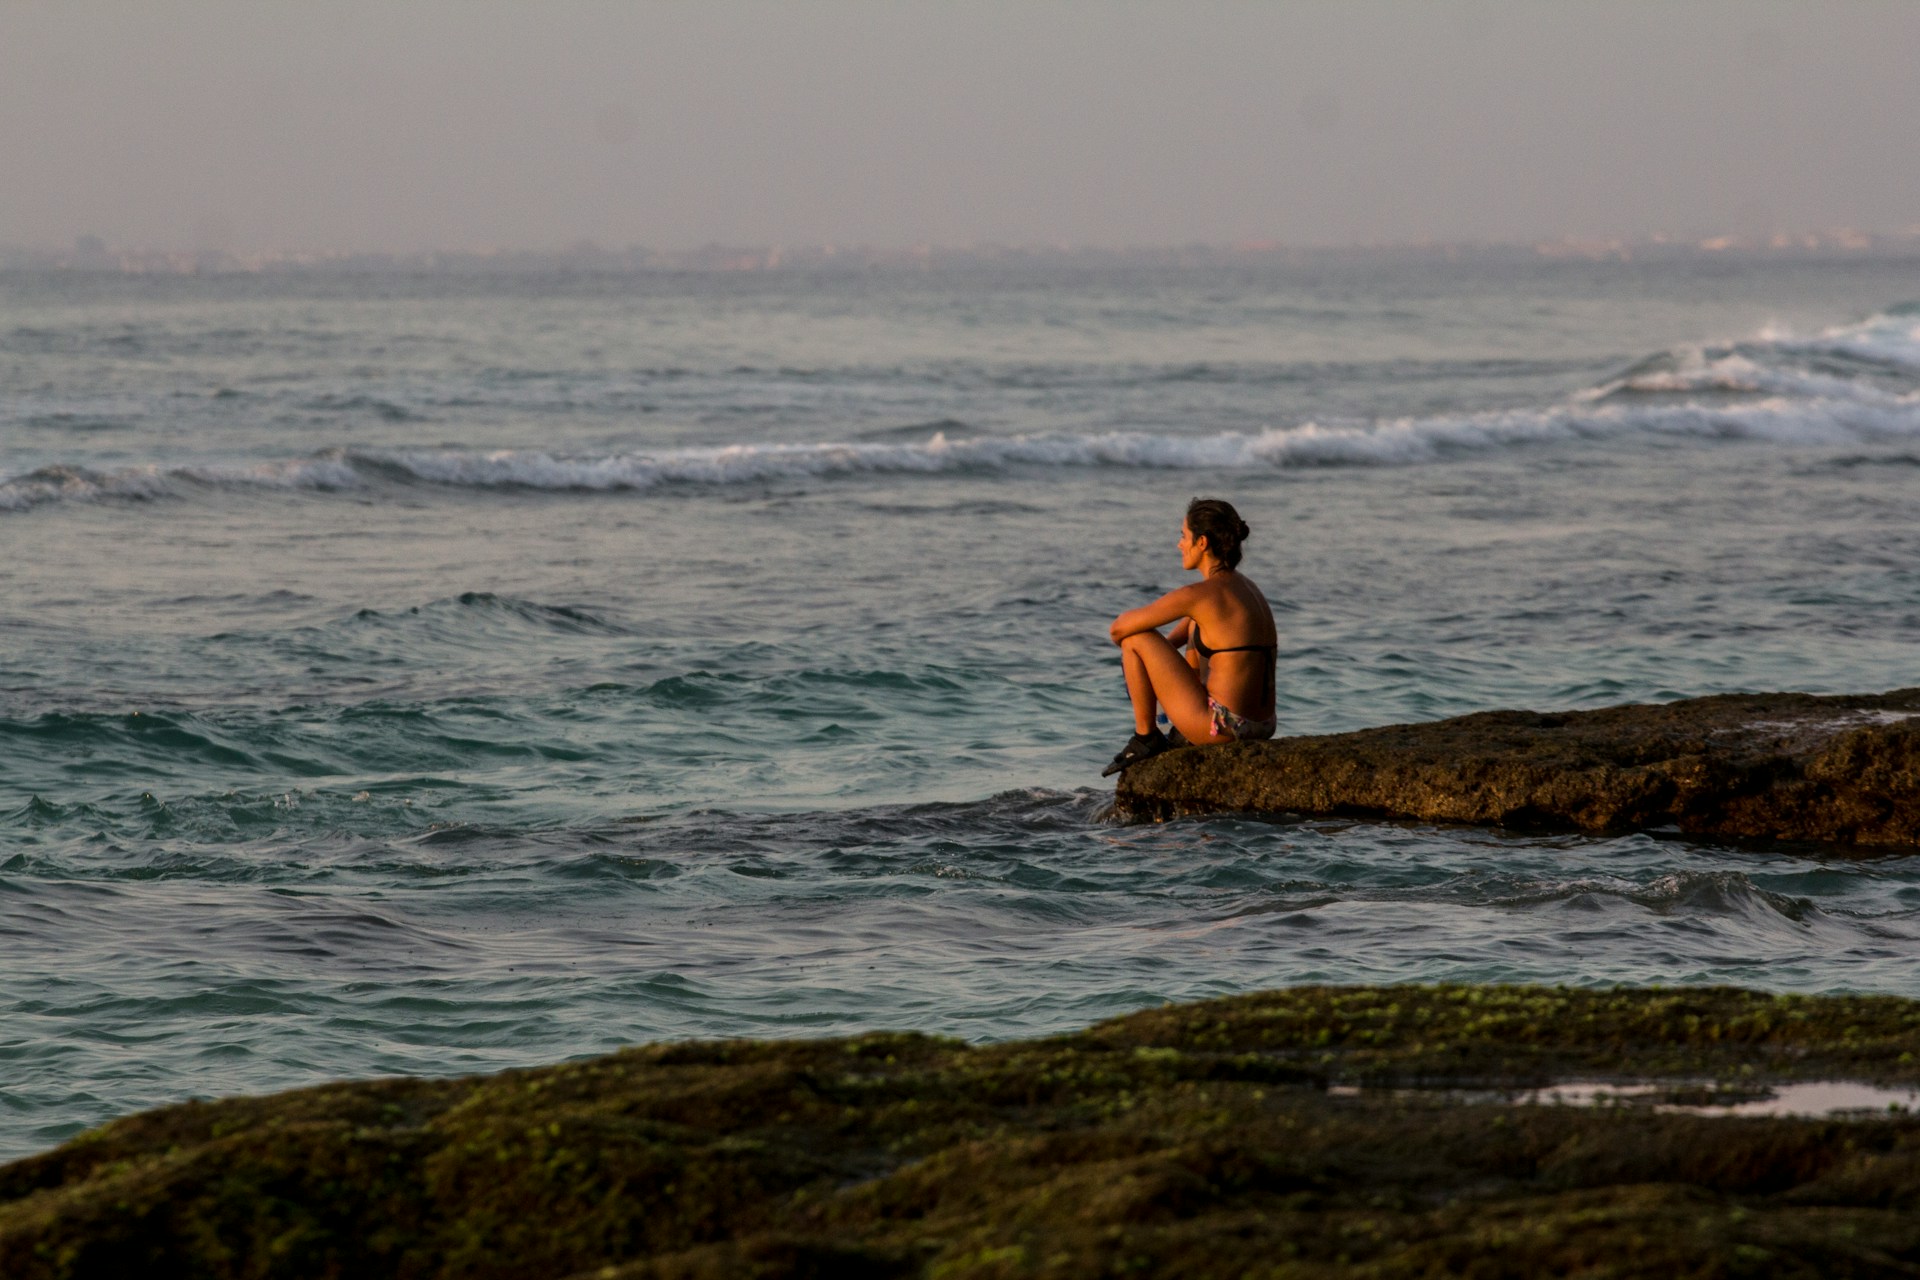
(1775, 766)
(1197, 1141)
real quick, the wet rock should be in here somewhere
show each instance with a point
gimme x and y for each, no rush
(1772, 766)
(1320, 1131)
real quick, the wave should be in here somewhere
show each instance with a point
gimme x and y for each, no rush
(1853, 383)
(1874, 361)
(331, 469)
(1699, 372)
(1890, 338)
(1397, 442)
(1711, 893)
(476, 615)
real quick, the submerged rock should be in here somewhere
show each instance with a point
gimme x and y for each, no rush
(1272, 1135)
(1771, 766)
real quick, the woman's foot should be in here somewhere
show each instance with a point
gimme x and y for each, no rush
(1141, 746)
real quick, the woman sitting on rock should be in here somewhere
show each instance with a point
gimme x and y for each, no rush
(1222, 691)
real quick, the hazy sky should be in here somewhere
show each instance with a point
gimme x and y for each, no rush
(411, 124)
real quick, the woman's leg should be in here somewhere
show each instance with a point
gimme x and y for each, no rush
(1157, 676)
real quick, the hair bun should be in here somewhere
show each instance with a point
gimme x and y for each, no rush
(1215, 520)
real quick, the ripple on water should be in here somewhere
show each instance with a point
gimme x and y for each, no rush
(1021, 914)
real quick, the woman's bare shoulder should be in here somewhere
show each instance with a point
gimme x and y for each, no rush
(1241, 589)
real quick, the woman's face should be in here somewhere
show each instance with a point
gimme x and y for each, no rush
(1191, 548)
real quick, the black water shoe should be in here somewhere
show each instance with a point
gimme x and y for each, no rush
(1141, 746)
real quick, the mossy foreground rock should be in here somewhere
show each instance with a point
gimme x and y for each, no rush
(1192, 1141)
(1774, 766)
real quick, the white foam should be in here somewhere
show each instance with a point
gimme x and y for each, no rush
(1889, 338)
(330, 470)
(1694, 372)
(745, 463)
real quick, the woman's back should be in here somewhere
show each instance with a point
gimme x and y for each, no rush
(1233, 631)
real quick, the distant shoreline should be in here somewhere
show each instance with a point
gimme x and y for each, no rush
(90, 254)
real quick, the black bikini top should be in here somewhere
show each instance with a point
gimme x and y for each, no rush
(1271, 650)
(1200, 646)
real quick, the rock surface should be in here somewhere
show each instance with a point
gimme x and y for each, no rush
(1775, 766)
(1194, 1141)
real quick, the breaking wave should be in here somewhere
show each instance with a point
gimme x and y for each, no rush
(1851, 384)
(1874, 362)
(1398, 442)
(329, 470)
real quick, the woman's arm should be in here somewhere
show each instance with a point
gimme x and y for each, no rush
(1171, 607)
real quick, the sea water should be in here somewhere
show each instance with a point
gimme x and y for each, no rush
(434, 674)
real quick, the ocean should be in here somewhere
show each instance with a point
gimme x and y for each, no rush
(432, 674)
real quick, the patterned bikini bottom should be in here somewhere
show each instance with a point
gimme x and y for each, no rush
(1228, 723)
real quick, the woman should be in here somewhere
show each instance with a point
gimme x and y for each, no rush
(1222, 691)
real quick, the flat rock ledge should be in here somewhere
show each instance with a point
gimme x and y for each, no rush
(1841, 770)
